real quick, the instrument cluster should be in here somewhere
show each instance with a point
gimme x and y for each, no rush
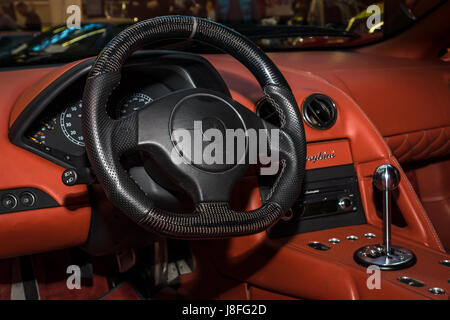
(60, 129)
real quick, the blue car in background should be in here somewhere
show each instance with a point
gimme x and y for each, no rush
(60, 43)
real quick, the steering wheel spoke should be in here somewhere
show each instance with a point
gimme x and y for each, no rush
(152, 122)
(124, 135)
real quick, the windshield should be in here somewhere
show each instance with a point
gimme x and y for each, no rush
(49, 31)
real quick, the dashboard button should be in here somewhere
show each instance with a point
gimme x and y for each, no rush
(27, 199)
(9, 201)
(70, 177)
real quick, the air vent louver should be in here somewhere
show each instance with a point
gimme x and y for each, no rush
(319, 111)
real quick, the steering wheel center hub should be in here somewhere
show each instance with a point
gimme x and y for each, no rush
(208, 132)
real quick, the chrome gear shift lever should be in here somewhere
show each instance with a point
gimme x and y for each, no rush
(386, 178)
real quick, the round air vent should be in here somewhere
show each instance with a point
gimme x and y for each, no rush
(319, 111)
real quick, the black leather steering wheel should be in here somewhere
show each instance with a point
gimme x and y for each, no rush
(151, 130)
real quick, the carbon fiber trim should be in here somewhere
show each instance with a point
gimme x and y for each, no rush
(106, 139)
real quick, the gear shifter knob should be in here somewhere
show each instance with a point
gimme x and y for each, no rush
(386, 178)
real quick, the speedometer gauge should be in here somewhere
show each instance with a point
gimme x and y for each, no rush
(70, 121)
(133, 103)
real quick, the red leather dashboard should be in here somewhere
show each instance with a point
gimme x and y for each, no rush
(306, 73)
(400, 96)
(417, 84)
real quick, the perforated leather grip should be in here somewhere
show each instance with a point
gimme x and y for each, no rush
(210, 220)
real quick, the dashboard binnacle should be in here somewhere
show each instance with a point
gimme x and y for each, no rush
(62, 130)
(51, 125)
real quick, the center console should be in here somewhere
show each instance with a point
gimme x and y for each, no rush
(335, 231)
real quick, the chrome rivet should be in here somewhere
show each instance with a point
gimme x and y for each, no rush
(436, 291)
(370, 235)
(352, 238)
(445, 263)
(411, 282)
(318, 246)
(334, 240)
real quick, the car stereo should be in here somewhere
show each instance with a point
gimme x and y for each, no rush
(330, 199)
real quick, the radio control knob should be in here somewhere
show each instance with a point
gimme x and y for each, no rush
(345, 203)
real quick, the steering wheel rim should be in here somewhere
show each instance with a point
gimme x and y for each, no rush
(211, 219)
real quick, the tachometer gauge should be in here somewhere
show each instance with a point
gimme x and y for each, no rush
(133, 103)
(70, 121)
